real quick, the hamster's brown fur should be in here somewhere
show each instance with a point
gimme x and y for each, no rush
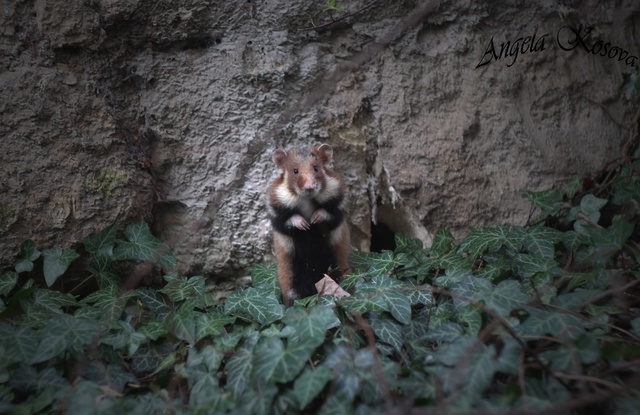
(306, 204)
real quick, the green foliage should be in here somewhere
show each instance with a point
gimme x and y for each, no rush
(331, 7)
(631, 86)
(56, 262)
(515, 318)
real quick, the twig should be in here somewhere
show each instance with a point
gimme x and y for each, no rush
(588, 220)
(611, 326)
(606, 111)
(521, 384)
(582, 401)
(462, 367)
(610, 292)
(619, 367)
(371, 344)
(334, 21)
(591, 379)
(508, 328)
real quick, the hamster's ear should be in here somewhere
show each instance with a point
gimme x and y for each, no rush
(325, 153)
(279, 157)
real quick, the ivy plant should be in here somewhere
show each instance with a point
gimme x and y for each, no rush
(534, 318)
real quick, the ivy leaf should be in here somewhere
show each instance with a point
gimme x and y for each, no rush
(273, 361)
(570, 356)
(121, 335)
(24, 266)
(529, 265)
(240, 365)
(155, 302)
(207, 357)
(494, 269)
(258, 401)
(574, 300)
(57, 337)
(310, 326)
(491, 239)
(28, 254)
(550, 201)
(27, 379)
(53, 301)
(420, 294)
(56, 262)
(179, 289)
(182, 323)
(635, 326)
(20, 343)
(452, 277)
(28, 251)
(383, 264)
(382, 293)
(204, 391)
(589, 206)
(543, 322)
(310, 383)
(388, 331)
(142, 246)
(265, 274)
(399, 305)
(111, 301)
(102, 242)
(360, 260)
(153, 329)
(111, 375)
(103, 272)
(615, 236)
(36, 315)
(267, 355)
(168, 363)
(509, 360)
(8, 282)
(506, 297)
(503, 298)
(474, 365)
(148, 358)
(470, 316)
(573, 240)
(255, 303)
(443, 242)
(211, 324)
(574, 186)
(626, 190)
(83, 398)
(540, 241)
(453, 261)
(345, 388)
(447, 332)
(479, 374)
(406, 244)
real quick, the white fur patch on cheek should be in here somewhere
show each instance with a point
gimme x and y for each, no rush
(285, 196)
(331, 190)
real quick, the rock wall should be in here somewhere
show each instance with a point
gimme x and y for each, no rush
(169, 111)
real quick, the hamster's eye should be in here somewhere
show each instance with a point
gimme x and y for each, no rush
(295, 171)
(315, 168)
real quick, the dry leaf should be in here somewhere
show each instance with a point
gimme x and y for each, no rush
(328, 286)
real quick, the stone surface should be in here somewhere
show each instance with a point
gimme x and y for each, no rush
(169, 111)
